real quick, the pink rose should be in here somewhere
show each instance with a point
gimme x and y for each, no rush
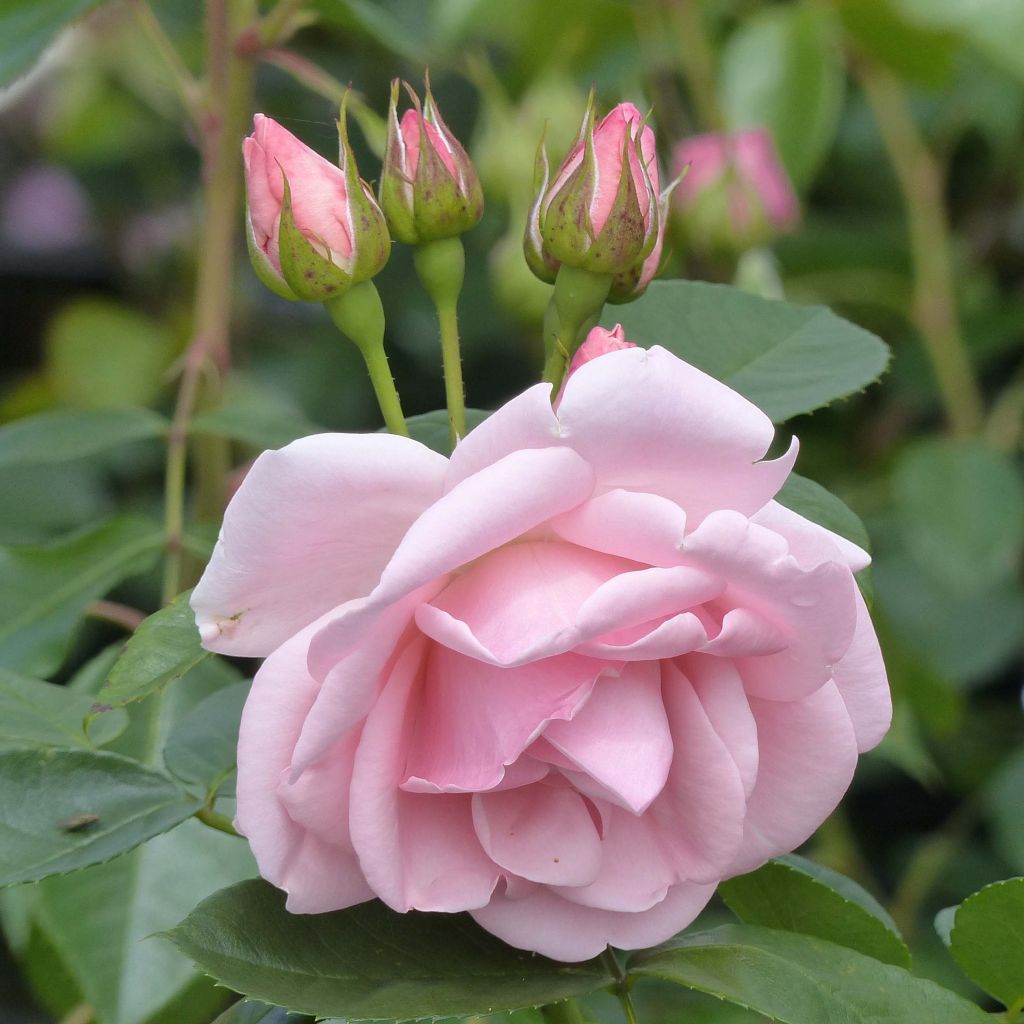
(566, 680)
(736, 191)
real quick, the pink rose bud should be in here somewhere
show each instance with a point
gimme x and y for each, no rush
(429, 188)
(314, 229)
(600, 341)
(736, 194)
(595, 216)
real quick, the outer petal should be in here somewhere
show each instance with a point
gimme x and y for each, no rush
(489, 509)
(314, 863)
(861, 679)
(526, 421)
(312, 526)
(808, 753)
(815, 608)
(810, 543)
(672, 431)
(475, 719)
(621, 736)
(416, 851)
(700, 813)
(543, 921)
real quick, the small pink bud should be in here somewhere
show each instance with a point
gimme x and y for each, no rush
(601, 213)
(314, 227)
(736, 194)
(599, 342)
(428, 186)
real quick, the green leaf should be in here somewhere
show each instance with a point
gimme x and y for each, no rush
(783, 69)
(374, 22)
(46, 588)
(987, 940)
(368, 962)
(34, 713)
(61, 810)
(784, 358)
(202, 746)
(27, 27)
(799, 979)
(796, 895)
(162, 649)
(961, 505)
(101, 922)
(431, 428)
(1002, 803)
(101, 354)
(59, 436)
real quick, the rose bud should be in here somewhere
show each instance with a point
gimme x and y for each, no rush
(600, 213)
(736, 194)
(314, 229)
(429, 188)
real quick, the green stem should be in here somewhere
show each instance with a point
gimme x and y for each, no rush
(281, 21)
(441, 268)
(359, 315)
(621, 987)
(577, 303)
(216, 820)
(934, 309)
(189, 90)
(565, 1012)
(1013, 1012)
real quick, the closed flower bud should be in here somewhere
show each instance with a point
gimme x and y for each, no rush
(314, 229)
(429, 188)
(736, 194)
(600, 213)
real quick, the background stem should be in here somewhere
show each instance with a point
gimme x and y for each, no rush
(934, 307)
(565, 1012)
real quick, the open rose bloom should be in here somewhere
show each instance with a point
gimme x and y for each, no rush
(567, 680)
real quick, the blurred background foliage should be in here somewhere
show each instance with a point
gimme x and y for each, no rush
(901, 124)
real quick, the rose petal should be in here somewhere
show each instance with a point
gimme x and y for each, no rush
(635, 873)
(317, 868)
(701, 810)
(416, 851)
(312, 526)
(814, 609)
(542, 833)
(808, 753)
(620, 737)
(468, 522)
(672, 431)
(543, 921)
(861, 679)
(810, 543)
(475, 719)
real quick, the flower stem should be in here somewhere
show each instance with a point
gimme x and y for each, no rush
(577, 303)
(934, 309)
(697, 61)
(359, 315)
(441, 268)
(621, 987)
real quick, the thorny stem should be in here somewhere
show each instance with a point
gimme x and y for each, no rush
(934, 309)
(621, 987)
(455, 396)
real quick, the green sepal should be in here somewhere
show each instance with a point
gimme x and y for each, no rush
(395, 192)
(312, 276)
(368, 229)
(264, 269)
(537, 257)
